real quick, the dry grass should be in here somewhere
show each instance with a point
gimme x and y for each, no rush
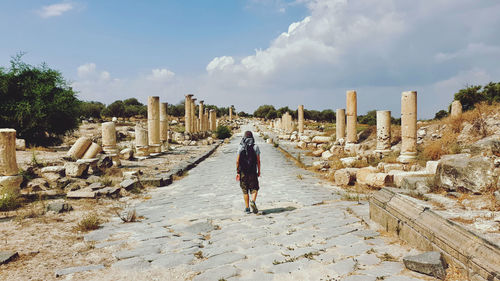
(454, 273)
(447, 144)
(387, 257)
(463, 220)
(91, 221)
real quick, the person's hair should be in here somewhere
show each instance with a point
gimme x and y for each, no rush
(248, 134)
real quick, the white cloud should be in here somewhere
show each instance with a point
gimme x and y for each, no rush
(55, 10)
(374, 46)
(379, 48)
(85, 70)
(94, 84)
(161, 75)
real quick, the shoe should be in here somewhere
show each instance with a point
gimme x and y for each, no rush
(247, 210)
(254, 207)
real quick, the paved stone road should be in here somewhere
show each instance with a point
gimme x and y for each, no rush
(305, 232)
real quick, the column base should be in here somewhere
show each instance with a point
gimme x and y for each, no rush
(142, 151)
(155, 148)
(382, 152)
(351, 147)
(407, 157)
(11, 182)
(110, 149)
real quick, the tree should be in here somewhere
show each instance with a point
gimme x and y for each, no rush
(116, 109)
(441, 114)
(37, 102)
(492, 92)
(369, 119)
(470, 96)
(91, 109)
(263, 111)
(327, 115)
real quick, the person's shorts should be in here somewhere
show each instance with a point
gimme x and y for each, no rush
(249, 183)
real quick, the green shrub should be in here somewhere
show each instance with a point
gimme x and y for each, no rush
(223, 132)
(37, 102)
(9, 199)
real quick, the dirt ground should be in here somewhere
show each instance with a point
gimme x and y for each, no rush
(47, 241)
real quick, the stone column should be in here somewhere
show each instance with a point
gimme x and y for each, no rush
(408, 126)
(141, 141)
(109, 138)
(164, 125)
(92, 151)
(8, 163)
(383, 131)
(456, 109)
(154, 124)
(340, 125)
(79, 148)
(213, 120)
(352, 115)
(187, 114)
(231, 113)
(205, 119)
(194, 127)
(301, 119)
(200, 115)
(109, 142)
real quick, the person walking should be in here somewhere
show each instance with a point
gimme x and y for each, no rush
(248, 170)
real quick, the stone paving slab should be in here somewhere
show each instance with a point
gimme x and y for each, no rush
(303, 232)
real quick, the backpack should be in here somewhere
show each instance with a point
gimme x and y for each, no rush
(248, 162)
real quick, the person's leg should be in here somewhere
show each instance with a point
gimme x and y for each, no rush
(254, 195)
(247, 199)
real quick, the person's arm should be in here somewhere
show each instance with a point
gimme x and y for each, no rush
(258, 165)
(238, 164)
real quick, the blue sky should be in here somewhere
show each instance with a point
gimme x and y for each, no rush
(253, 52)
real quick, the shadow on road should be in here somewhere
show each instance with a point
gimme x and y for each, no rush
(277, 210)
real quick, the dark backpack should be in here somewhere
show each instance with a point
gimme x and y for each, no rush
(248, 161)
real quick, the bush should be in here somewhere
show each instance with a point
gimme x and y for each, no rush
(9, 199)
(37, 102)
(441, 114)
(90, 222)
(90, 109)
(223, 132)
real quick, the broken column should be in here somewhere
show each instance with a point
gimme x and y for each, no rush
(187, 114)
(301, 119)
(340, 125)
(231, 113)
(141, 141)
(9, 170)
(456, 109)
(352, 115)
(164, 125)
(408, 126)
(109, 141)
(213, 120)
(92, 151)
(109, 137)
(78, 149)
(154, 124)
(383, 132)
(8, 163)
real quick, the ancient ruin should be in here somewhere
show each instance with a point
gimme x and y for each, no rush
(383, 132)
(352, 115)
(301, 118)
(408, 126)
(154, 124)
